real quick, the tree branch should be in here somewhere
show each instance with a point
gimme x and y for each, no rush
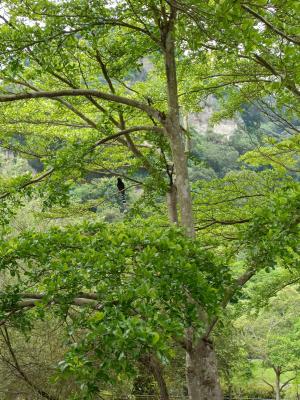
(287, 382)
(230, 222)
(32, 302)
(128, 141)
(271, 26)
(52, 123)
(230, 200)
(31, 182)
(269, 384)
(85, 92)
(68, 105)
(239, 282)
(126, 132)
(91, 99)
(98, 143)
(17, 366)
(289, 84)
(265, 64)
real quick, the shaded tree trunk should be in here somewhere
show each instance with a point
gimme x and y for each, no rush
(157, 372)
(202, 372)
(172, 204)
(174, 130)
(182, 181)
(155, 368)
(201, 365)
(277, 383)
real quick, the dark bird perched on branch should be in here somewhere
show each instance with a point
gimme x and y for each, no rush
(121, 189)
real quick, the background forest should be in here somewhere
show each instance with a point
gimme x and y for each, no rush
(189, 287)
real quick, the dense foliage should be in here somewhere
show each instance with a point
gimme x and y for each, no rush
(95, 90)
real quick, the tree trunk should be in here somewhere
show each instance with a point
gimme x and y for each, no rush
(201, 364)
(155, 368)
(182, 182)
(202, 372)
(175, 132)
(277, 383)
(172, 204)
(157, 372)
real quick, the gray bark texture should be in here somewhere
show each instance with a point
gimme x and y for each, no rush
(176, 135)
(155, 368)
(182, 182)
(202, 373)
(172, 204)
(201, 363)
(157, 372)
(277, 384)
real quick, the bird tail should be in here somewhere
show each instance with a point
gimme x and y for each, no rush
(123, 199)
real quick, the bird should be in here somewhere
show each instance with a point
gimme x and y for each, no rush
(121, 189)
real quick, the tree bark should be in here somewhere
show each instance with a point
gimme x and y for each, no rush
(182, 181)
(172, 204)
(174, 130)
(202, 372)
(201, 364)
(277, 383)
(155, 368)
(157, 372)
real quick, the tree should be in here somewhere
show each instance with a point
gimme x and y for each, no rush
(273, 337)
(60, 50)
